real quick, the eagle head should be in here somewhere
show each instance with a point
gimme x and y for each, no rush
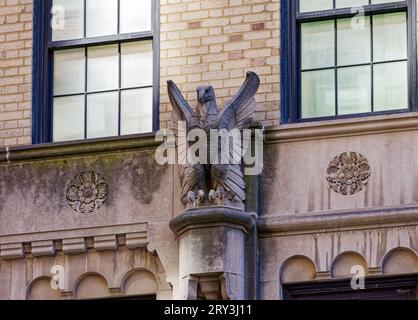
(205, 94)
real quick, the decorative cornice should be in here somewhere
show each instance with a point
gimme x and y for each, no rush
(74, 241)
(195, 218)
(136, 240)
(342, 128)
(77, 148)
(77, 245)
(43, 248)
(11, 251)
(75, 233)
(338, 221)
(102, 243)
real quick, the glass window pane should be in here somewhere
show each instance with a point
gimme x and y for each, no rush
(318, 44)
(102, 17)
(102, 115)
(69, 71)
(354, 90)
(136, 111)
(353, 43)
(315, 5)
(137, 64)
(67, 19)
(103, 68)
(391, 86)
(318, 93)
(68, 118)
(135, 16)
(350, 3)
(390, 36)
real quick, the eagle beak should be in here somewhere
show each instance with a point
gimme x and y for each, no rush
(200, 95)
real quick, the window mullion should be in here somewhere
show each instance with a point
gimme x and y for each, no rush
(85, 92)
(336, 63)
(372, 61)
(85, 18)
(118, 16)
(120, 92)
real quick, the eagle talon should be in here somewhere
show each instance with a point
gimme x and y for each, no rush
(191, 197)
(213, 195)
(201, 197)
(221, 193)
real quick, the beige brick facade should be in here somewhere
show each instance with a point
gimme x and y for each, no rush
(215, 42)
(202, 42)
(15, 72)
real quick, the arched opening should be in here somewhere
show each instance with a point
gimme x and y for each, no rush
(400, 261)
(140, 283)
(349, 264)
(41, 289)
(298, 269)
(92, 286)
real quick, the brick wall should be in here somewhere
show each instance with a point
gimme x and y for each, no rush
(215, 42)
(202, 42)
(15, 72)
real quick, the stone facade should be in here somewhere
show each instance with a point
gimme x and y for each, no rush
(102, 219)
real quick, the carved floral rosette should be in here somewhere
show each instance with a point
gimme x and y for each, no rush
(348, 173)
(87, 192)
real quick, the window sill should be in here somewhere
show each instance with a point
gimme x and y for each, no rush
(339, 128)
(77, 148)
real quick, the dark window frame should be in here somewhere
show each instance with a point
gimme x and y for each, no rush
(43, 49)
(405, 286)
(290, 55)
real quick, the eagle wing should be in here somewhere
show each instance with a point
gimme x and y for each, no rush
(181, 108)
(237, 114)
(192, 177)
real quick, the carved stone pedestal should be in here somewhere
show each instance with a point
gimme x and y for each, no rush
(213, 252)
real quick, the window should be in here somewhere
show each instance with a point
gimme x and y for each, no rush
(401, 287)
(345, 58)
(95, 69)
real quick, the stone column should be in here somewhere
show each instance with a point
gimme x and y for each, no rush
(213, 252)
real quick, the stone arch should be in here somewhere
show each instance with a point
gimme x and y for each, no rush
(91, 286)
(40, 289)
(298, 269)
(139, 282)
(400, 261)
(342, 265)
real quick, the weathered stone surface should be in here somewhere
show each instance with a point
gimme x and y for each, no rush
(212, 253)
(33, 186)
(295, 169)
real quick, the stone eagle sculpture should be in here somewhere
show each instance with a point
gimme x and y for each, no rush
(215, 184)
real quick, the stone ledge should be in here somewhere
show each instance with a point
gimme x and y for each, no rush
(211, 216)
(338, 221)
(339, 128)
(75, 233)
(77, 148)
